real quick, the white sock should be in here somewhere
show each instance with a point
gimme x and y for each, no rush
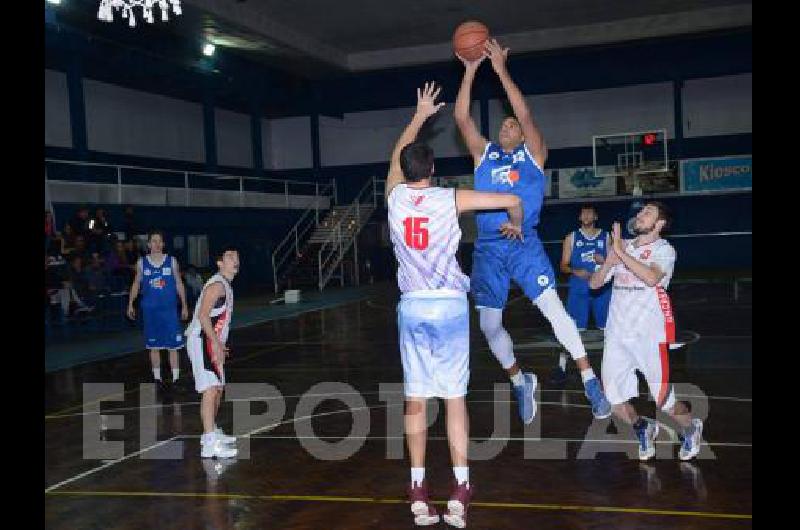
(208, 438)
(417, 475)
(587, 374)
(517, 379)
(462, 474)
(562, 361)
(563, 326)
(175, 373)
(157, 374)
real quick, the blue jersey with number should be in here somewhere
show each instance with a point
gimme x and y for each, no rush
(584, 249)
(158, 284)
(515, 172)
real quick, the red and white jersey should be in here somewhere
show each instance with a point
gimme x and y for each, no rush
(423, 224)
(635, 308)
(220, 314)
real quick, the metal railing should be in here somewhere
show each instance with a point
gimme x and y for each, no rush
(290, 245)
(121, 178)
(333, 250)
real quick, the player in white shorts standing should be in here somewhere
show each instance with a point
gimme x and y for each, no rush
(433, 314)
(206, 336)
(641, 327)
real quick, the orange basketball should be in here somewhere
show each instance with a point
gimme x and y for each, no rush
(469, 38)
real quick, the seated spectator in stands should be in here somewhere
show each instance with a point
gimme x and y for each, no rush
(67, 240)
(97, 241)
(49, 228)
(101, 220)
(59, 285)
(96, 279)
(129, 224)
(80, 249)
(80, 223)
(132, 251)
(117, 265)
(78, 277)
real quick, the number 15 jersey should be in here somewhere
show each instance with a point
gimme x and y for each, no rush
(423, 225)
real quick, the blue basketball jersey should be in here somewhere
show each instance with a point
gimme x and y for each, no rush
(584, 249)
(515, 172)
(158, 283)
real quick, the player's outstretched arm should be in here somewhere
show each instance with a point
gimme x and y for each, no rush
(426, 107)
(533, 136)
(476, 143)
(468, 200)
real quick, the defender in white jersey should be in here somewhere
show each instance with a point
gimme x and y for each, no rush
(641, 327)
(433, 314)
(206, 337)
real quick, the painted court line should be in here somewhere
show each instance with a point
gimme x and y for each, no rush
(376, 500)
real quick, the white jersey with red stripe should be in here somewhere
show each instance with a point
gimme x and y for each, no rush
(220, 314)
(423, 224)
(637, 309)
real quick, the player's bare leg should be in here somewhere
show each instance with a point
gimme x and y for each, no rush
(458, 438)
(416, 426)
(155, 363)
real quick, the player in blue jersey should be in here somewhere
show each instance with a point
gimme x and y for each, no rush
(514, 164)
(582, 253)
(159, 280)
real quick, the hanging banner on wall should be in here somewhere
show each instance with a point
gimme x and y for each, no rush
(734, 172)
(457, 181)
(582, 182)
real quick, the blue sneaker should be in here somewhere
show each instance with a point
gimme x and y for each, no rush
(646, 432)
(601, 408)
(524, 394)
(691, 441)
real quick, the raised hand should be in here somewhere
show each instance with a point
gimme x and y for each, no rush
(497, 55)
(426, 100)
(616, 239)
(511, 231)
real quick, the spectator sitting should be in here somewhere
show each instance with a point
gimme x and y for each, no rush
(78, 277)
(132, 251)
(96, 278)
(97, 241)
(129, 224)
(59, 285)
(101, 221)
(80, 223)
(117, 264)
(80, 249)
(49, 229)
(67, 240)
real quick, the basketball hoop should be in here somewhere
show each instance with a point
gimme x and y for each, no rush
(107, 7)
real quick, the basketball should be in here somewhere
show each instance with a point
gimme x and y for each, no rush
(469, 38)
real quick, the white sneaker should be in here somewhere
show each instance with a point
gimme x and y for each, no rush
(647, 439)
(691, 443)
(217, 449)
(224, 438)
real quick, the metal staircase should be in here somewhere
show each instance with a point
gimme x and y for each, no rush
(319, 249)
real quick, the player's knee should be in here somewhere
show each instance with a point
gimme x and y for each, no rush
(491, 322)
(414, 407)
